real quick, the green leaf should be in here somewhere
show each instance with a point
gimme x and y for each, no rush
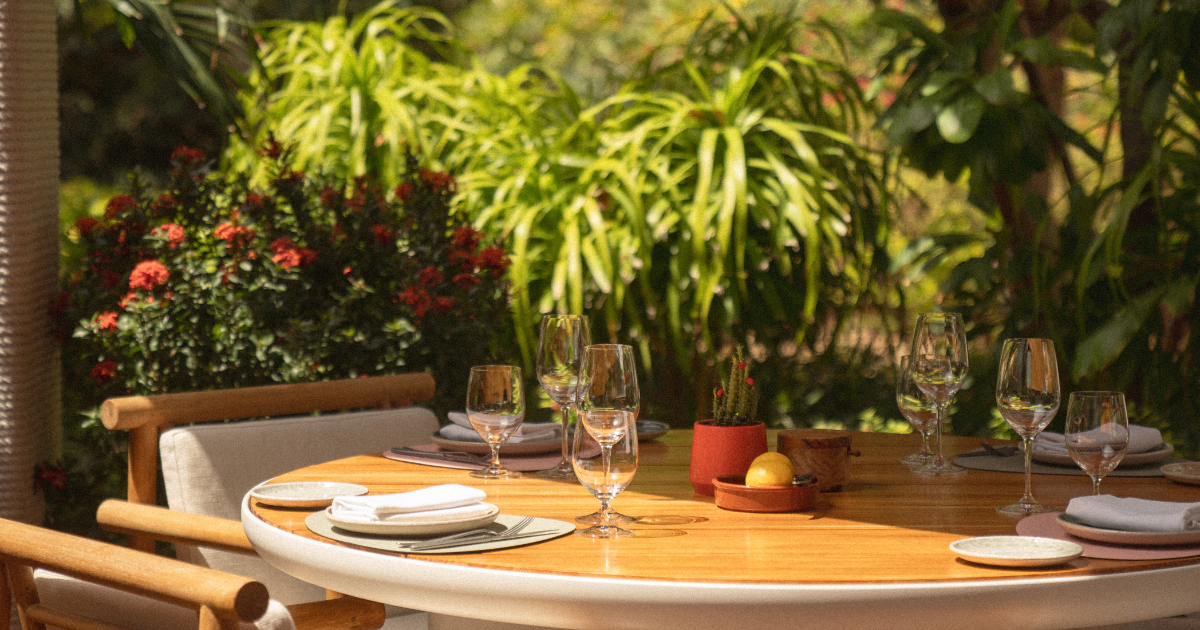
(1100, 349)
(959, 119)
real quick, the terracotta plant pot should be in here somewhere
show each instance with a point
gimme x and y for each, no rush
(719, 451)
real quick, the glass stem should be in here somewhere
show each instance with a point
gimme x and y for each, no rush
(495, 446)
(1096, 485)
(566, 444)
(938, 461)
(1028, 497)
(925, 444)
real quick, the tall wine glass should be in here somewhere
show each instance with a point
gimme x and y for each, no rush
(605, 465)
(939, 366)
(560, 354)
(918, 409)
(1097, 432)
(495, 407)
(1028, 395)
(608, 406)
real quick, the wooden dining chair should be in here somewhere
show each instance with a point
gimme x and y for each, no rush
(76, 583)
(208, 464)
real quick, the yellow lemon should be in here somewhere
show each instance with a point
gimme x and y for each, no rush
(770, 469)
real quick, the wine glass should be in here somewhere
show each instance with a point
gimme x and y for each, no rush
(1097, 432)
(917, 409)
(1028, 395)
(608, 407)
(560, 353)
(495, 407)
(939, 366)
(605, 463)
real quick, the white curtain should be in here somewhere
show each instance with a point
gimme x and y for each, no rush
(30, 411)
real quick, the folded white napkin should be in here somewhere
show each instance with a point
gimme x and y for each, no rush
(1141, 440)
(433, 504)
(1135, 515)
(462, 431)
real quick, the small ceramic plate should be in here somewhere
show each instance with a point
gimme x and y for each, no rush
(1123, 537)
(1163, 452)
(305, 493)
(650, 429)
(1183, 472)
(1016, 551)
(421, 529)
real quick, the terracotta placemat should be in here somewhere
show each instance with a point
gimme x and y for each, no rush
(1016, 464)
(318, 524)
(1046, 526)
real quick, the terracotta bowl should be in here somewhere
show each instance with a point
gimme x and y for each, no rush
(732, 493)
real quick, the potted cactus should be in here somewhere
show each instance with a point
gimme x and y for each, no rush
(729, 442)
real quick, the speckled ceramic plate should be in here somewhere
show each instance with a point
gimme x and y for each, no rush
(305, 493)
(1124, 537)
(1162, 453)
(1016, 551)
(1183, 472)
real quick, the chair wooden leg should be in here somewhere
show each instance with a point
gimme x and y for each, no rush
(210, 621)
(143, 476)
(24, 591)
(5, 595)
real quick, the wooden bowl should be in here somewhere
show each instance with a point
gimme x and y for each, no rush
(732, 493)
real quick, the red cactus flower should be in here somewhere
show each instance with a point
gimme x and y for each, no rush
(720, 393)
(750, 381)
(148, 275)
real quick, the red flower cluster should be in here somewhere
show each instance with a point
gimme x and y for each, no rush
(106, 321)
(104, 371)
(418, 299)
(288, 254)
(148, 275)
(86, 225)
(440, 182)
(173, 232)
(47, 475)
(384, 235)
(430, 275)
(188, 157)
(493, 259)
(405, 191)
(118, 206)
(236, 235)
(467, 238)
(163, 205)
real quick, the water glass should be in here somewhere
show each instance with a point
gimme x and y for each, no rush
(609, 400)
(605, 465)
(1028, 395)
(561, 342)
(495, 407)
(918, 409)
(1097, 432)
(939, 366)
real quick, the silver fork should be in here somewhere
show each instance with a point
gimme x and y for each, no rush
(471, 536)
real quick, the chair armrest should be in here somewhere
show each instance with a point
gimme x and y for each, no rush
(168, 525)
(343, 613)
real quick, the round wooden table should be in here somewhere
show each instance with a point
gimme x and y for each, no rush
(874, 555)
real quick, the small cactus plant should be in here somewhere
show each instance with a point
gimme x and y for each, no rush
(735, 403)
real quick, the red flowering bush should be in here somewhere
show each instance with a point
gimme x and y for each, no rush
(212, 283)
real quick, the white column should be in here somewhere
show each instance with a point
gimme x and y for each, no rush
(30, 407)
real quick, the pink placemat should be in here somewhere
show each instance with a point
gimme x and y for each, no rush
(521, 463)
(1046, 526)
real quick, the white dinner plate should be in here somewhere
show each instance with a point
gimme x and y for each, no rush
(1183, 472)
(1016, 551)
(1162, 453)
(529, 447)
(418, 529)
(305, 493)
(1123, 537)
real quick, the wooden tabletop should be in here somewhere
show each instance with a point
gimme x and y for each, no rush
(887, 527)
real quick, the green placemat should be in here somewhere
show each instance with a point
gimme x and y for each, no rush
(1016, 464)
(318, 524)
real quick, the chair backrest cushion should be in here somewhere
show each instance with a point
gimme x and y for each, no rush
(136, 612)
(208, 468)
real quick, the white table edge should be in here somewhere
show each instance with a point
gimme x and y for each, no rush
(584, 602)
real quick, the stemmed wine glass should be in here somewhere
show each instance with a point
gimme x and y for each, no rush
(1097, 432)
(939, 366)
(608, 408)
(560, 354)
(495, 407)
(917, 409)
(1028, 395)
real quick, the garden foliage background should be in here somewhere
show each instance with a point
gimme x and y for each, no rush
(797, 177)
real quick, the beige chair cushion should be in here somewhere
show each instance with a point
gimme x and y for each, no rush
(135, 612)
(208, 468)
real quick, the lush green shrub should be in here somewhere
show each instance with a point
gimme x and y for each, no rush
(213, 284)
(722, 196)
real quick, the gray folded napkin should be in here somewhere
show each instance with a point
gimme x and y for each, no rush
(462, 431)
(434, 504)
(1142, 439)
(1134, 515)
